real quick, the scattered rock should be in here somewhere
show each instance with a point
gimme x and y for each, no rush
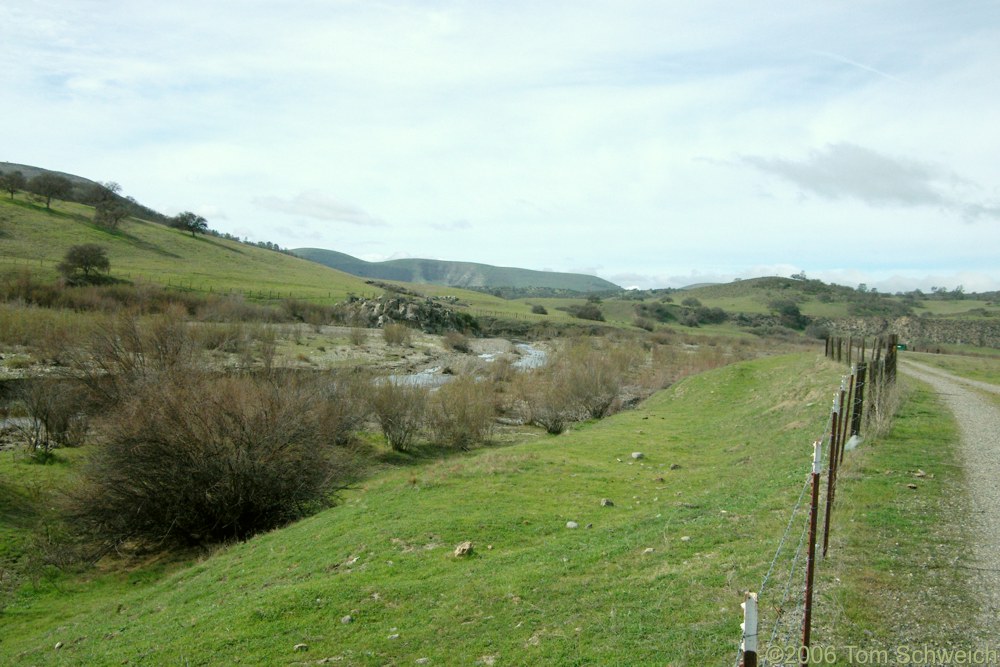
(606, 502)
(675, 466)
(920, 473)
(301, 647)
(647, 551)
(463, 549)
(572, 524)
(686, 538)
(422, 661)
(58, 645)
(659, 479)
(347, 619)
(394, 635)
(912, 486)
(589, 525)
(638, 455)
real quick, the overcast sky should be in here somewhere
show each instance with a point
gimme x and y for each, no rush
(655, 144)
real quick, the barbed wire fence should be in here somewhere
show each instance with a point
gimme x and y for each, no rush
(779, 613)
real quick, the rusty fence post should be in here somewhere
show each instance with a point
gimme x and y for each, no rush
(811, 559)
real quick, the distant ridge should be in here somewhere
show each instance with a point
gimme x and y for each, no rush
(456, 274)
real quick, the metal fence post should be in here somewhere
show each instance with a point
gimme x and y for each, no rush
(811, 560)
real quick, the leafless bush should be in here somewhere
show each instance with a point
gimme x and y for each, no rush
(456, 341)
(125, 350)
(399, 410)
(208, 458)
(883, 400)
(357, 336)
(546, 400)
(55, 417)
(345, 409)
(462, 412)
(593, 377)
(397, 334)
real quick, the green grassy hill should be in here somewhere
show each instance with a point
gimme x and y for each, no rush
(34, 238)
(457, 274)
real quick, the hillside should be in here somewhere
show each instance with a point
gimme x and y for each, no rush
(457, 274)
(36, 239)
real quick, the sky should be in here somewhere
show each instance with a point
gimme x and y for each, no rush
(654, 144)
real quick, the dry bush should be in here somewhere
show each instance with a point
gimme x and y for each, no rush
(882, 402)
(232, 337)
(124, 350)
(593, 377)
(397, 334)
(357, 336)
(502, 370)
(47, 330)
(345, 406)
(462, 412)
(205, 458)
(236, 309)
(56, 417)
(456, 341)
(399, 410)
(546, 400)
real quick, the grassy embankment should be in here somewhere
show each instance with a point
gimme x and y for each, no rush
(543, 593)
(536, 591)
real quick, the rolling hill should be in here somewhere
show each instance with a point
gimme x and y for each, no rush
(456, 274)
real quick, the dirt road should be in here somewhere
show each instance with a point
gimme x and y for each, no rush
(978, 418)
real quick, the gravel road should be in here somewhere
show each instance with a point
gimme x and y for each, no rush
(979, 427)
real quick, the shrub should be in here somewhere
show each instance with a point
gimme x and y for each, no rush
(399, 410)
(344, 409)
(691, 302)
(83, 263)
(206, 459)
(588, 311)
(55, 417)
(453, 340)
(539, 309)
(357, 336)
(124, 351)
(397, 334)
(547, 401)
(462, 412)
(644, 323)
(595, 377)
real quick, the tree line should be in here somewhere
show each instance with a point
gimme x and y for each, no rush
(111, 208)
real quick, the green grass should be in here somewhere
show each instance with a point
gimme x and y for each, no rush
(141, 251)
(896, 573)
(982, 368)
(543, 594)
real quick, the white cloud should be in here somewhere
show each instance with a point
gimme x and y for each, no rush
(845, 170)
(536, 134)
(313, 204)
